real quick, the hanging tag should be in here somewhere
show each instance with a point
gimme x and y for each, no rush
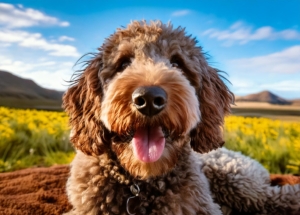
(135, 190)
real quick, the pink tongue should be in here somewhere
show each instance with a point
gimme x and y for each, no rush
(148, 144)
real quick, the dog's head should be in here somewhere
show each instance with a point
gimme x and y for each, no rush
(146, 94)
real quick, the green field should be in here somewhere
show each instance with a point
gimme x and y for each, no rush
(41, 138)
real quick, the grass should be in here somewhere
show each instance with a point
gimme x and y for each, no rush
(33, 138)
(41, 138)
(32, 160)
(274, 143)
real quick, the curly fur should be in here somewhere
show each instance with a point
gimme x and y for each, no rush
(182, 181)
(242, 184)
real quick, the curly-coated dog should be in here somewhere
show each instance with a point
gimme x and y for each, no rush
(144, 113)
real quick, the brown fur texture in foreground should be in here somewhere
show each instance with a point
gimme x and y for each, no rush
(110, 132)
(105, 187)
(34, 191)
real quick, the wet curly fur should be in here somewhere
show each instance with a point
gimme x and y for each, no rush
(105, 120)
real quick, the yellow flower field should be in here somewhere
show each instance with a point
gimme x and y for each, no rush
(33, 138)
(40, 138)
(274, 143)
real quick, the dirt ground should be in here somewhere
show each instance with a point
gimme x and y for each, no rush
(41, 191)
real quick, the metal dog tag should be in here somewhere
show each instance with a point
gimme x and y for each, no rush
(135, 190)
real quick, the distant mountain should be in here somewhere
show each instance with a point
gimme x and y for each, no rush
(14, 86)
(24, 93)
(264, 96)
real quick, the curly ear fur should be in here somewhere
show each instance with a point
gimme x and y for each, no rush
(215, 99)
(82, 102)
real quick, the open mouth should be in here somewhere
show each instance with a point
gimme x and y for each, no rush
(148, 143)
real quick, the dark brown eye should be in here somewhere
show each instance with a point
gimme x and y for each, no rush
(124, 63)
(176, 62)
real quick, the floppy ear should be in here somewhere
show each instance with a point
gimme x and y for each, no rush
(215, 99)
(82, 102)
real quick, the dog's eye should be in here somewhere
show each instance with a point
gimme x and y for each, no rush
(176, 62)
(123, 64)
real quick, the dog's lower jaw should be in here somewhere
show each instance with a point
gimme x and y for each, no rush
(99, 185)
(173, 151)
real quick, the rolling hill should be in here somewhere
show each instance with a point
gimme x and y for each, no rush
(267, 104)
(24, 93)
(264, 96)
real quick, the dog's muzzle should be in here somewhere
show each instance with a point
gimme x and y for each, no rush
(149, 100)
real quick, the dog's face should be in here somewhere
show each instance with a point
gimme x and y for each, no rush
(146, 94)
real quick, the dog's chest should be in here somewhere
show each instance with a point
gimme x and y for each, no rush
(104, 188)
(173, 194)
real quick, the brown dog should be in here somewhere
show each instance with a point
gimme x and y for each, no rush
(144, 108)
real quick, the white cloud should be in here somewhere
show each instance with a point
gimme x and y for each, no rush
(287, 86)
(242, 34)
(180, 13)
(278, 72)
(65, 38)
(36, 41)
(286, 61)
(16, 16)
(5, 44)
(240, 86)
(48, 74)
(31, 55)
(241, 83)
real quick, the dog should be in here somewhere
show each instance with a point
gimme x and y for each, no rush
(146, 116)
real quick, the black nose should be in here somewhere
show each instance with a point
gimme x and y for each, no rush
(149, 100)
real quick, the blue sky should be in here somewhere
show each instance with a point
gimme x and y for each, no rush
(257, 42)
